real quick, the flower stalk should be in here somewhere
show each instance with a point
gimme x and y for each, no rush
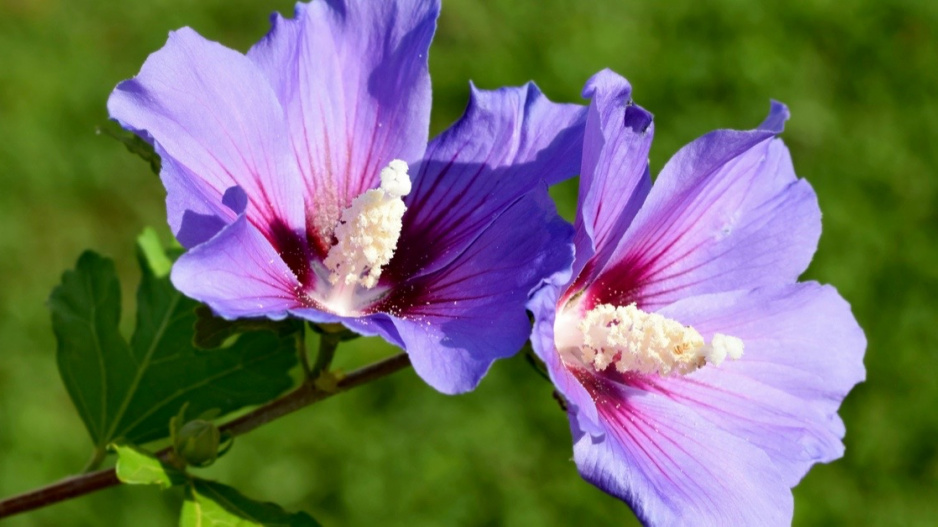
(328, 343)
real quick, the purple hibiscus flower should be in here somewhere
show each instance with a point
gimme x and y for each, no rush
(300, 180)
(702, 379)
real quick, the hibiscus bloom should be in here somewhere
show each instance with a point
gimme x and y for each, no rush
(299, 178)
(702, 379)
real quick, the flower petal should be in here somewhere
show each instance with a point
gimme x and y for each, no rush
(543, 305)
(353, 79)
(726, 213)
(793, 433)
(801, 339)
(675, 468)
(455, 322)
(217, 124)
(614, 177)
(238, 274)
(193, 210)
(508, 141)
(376, 325)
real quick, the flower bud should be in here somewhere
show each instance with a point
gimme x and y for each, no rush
(197, 443)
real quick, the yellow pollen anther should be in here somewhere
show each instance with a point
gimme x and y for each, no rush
(368, 230)
(648, 343)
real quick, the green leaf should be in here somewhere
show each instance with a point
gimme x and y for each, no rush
(132, 391)
(211, 504)
(134, 145)
(138, 467)
(152, 252)
(212, 331)
(85, 313)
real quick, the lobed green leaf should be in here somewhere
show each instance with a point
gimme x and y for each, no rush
(212, 504)
(131, 391)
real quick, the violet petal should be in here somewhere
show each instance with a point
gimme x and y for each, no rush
(218, 124)
(238, 274)
(726, 213)
(508, 141)
(354, 82)
(455, 322)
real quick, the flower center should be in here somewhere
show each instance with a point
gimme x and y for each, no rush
(648, 343)
(368, 230)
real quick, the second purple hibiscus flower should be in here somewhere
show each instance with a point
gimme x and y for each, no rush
(300, 180)
(702, 379)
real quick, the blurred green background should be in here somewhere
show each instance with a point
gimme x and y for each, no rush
(860, 78)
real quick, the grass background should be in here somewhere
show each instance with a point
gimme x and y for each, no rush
(860, 79)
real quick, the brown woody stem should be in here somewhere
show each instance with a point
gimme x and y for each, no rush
(308, 393)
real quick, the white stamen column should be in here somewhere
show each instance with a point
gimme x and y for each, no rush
(368, 230)
(647, 343)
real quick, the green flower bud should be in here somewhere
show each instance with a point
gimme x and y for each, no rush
(197, 443)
